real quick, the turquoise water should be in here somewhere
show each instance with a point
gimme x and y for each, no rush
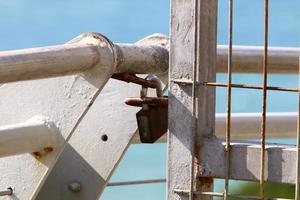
(32, 23)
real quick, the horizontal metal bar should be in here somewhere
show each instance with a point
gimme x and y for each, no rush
(37, 135)
(85, 52)
(149, 181)
(243, 86)
(218, 194)
(280, 161)
(248, 59)
(234, 85)
(27, 64)
(143, 57)
(247, 126)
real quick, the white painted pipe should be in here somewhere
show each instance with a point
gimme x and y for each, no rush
(249, 59)
(149, 55)
(83, 53)
(247, 126)
(44, 62)
(35, 135)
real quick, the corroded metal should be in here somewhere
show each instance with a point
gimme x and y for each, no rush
(255, 87)
(151, 101)
(228, 106)
(264, 102)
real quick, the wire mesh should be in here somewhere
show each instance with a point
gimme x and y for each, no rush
(228, 119)
(264, 88)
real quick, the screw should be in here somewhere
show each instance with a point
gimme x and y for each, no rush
(74, 187)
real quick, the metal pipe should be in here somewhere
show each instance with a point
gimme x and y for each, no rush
(86, 51)
(35, 135)
(148, 57)
(142, 59)
(248, 59)
(218, 194)
(247, 125)
(45, 62)
(149, 181)
(228, 106)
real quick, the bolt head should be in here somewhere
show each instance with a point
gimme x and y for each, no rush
(74, 187)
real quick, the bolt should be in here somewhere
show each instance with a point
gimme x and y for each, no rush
(74, 187)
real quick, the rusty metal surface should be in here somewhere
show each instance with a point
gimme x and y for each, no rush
(151, 101)
(228, 106)
(254, 87)
(132, 78)
(264, 101)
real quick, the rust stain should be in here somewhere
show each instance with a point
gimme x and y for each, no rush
(48, 149)
(40, 154)
(151, 101)
(202, 183)
(132, 78)
(205, 182)
(37, 154)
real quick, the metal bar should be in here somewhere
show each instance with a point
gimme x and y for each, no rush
(80, 54)
(264, 102)
(190, 44)
(228, 109)
(280, 162)
(248, 59)
(138, 182)
(37, 136)
(44, 62)
(255, 87)
(151, 101)
(247, 125)
(144, 58)
(193, 137)
(132, 78)
(218, 194)
(73, 58)
(297, 184)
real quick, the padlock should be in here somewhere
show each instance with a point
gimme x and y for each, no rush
(152, 123)
(152, 119)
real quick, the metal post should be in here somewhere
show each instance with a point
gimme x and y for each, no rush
(191, 106)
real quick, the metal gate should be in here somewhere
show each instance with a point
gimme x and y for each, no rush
(196, 155)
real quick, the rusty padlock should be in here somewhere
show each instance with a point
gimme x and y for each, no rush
(152, 119)
(152, 123)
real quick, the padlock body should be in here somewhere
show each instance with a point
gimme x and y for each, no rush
(152, 123)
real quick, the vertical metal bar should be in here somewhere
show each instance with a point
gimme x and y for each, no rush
(298, 142)
(228, 119)
(194, 102)
(264, 101)
(181, 111)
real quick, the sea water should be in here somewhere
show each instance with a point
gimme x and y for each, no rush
(32, 23)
